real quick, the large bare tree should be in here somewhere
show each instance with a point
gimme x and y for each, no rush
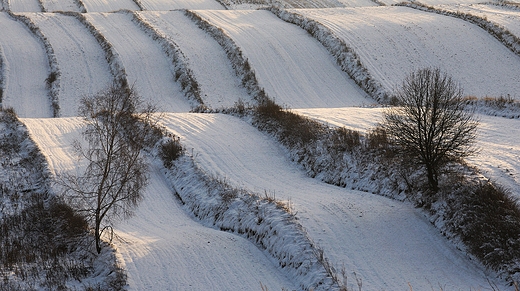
(431, 124)
(117, 128)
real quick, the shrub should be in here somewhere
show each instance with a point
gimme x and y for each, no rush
(170, 150)
(487, 219)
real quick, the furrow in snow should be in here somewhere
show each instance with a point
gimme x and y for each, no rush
(385, 242)
(61, 5)
(161, 247)
(109, 5)
(84, 70)
(292, 67)
(203, 56)
(165, 5)
(53, 80)
(502, 15)
(346, 58)
(25, 5)
(25, 69)
(146, 65)
(393, 41)
(183, 74)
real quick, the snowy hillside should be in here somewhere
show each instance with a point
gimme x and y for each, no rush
(50, 59)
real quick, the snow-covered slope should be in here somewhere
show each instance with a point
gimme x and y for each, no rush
(61, 5)
(502, 15)
(26, 68)
(218, 83)
(25, 6)
(161, 247)
(109, 5)
(147, 67)
(292, 67)
(393, 41)
(165, 5)
(84, 70)
(385, 242)
(497, 140)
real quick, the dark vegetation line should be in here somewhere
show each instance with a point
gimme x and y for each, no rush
(481, 214)
(44, 243)
(112, 57)
(266, 222)
(81, 6)
(239, 62)
(3, 76)
(53, 80)
(182, 72)
(346, 58)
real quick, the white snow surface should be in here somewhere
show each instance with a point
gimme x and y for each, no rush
(161, 247)
(84, 70)
(24, 6)
(26, 69)
(293, 68)
(394, 41)
(218, 83)
(60, 5)
(497, 140)
(109, 5)
(147, 67)
(165, 5)
(385, 242)
(501, 15)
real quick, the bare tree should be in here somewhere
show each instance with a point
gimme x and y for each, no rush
(431, 125)
(117, 128)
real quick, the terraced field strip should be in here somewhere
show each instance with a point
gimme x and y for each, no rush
(25, 6)
(165, 5)
(61, 5)
(26, 68)
(292, 67)
(501, 15)
(385, 242)
(217, 81)
(84, 70)
(161, 247)
(147, 67)
(109, 5)
(393, 41)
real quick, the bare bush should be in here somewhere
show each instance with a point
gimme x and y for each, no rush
(170, 150)
(431, 125)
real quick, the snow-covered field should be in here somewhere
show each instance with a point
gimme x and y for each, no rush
(217, 81)
(292, 67)
(393, 41)
(386, 243)
(147, 67)
(503, 15)
(84, 70)
(25, 70)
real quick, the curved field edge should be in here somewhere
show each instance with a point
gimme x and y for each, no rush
(501, 33)
(267, 223)
(240, 64)
(477, 215)
(183, 74)
(111, 55)
(346, 57)
(43, 242)
(53, 81)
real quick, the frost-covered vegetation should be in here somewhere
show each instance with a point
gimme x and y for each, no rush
(44, 243)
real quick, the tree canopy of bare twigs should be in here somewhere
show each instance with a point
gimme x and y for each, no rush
(117, 128)
(431, 125)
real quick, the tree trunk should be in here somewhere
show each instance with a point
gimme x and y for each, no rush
(97, 234)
